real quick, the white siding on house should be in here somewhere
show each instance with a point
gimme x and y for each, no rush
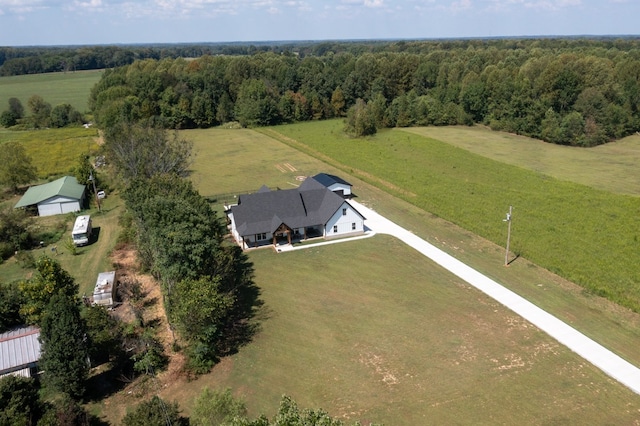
(343, 224)
(346, 189)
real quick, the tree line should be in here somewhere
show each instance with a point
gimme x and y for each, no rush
(42, 114)
(581, 92)
(207, 283)
(44, 59)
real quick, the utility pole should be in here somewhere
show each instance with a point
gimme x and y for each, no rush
(93, 181)
(508, 220)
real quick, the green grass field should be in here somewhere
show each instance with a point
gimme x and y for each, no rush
(371, 330)
(588, 236)
(55, 88)
(390, 337)
(54, 152)
(611, 167)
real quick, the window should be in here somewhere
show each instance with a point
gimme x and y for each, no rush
(353, 226)
(261, 237)
(335, 228)
(344, 212)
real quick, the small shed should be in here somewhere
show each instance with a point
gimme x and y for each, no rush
(19, 351)
(64, 195)
(104, 291)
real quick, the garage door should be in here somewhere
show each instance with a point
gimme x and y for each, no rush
(69, 207)
(49, 209)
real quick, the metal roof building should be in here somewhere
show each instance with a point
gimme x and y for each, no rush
(60, 196)
(19, 351)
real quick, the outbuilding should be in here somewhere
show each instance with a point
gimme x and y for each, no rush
(64, 195)
(19, 351)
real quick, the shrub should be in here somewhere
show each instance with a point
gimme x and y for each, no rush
(26, 259)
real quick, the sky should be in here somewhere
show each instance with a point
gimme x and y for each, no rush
(91, 22)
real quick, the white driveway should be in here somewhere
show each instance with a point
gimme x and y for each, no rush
(613, 365)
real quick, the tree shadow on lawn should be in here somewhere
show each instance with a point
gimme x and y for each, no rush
(110, 380)
(245, 320)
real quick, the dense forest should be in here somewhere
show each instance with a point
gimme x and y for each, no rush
(43, 59)
(568, 91)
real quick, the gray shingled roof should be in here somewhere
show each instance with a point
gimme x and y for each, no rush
(66, 186)
(19, 347)
(328, 180)
(311, 204)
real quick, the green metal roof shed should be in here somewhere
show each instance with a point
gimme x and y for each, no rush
(61, 196)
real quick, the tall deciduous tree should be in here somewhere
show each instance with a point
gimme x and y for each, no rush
(10, 301)
(16, 167)
(199, 310)
(64, 114)
(360, 121)
(14, 231)
(50, 280)
(40, 111)
(65, 349)
(145, 151)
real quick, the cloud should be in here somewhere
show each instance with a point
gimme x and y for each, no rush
(460, 5)
(374, 3)
(536, 4)
(21, 6)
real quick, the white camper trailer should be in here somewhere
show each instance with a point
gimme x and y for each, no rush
(81, 230)
(104, 291)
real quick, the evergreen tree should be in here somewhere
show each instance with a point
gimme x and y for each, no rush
(19, 401)
(65, 352)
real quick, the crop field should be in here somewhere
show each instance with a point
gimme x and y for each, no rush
(589, 236)
(55, 88)
(370, 330)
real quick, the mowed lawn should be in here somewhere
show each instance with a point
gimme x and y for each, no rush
(55, 88)
(372, 330)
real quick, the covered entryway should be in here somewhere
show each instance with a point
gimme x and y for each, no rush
(282, 235)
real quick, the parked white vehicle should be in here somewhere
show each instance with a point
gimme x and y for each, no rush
(81, 232)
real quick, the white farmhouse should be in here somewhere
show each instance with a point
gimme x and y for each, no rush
(284, 216)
